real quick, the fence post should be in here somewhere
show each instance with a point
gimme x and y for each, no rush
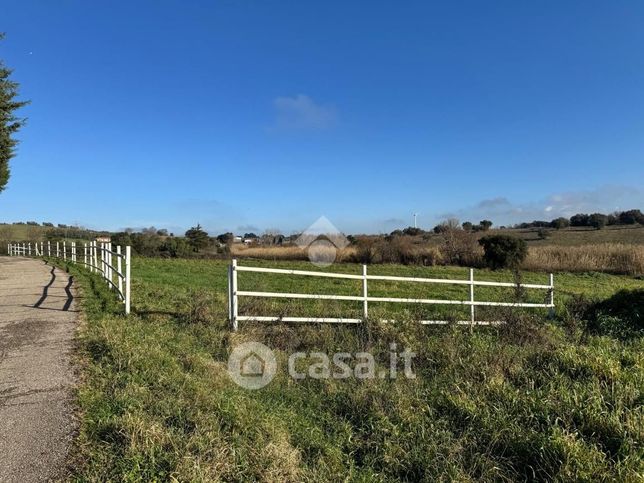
(230, 293)
(118, 268)
(95, 256)
(365, 302)
(103, 262)
(42, 249)
(29, 248)
(128, 263)
(110, 264)
(24, 249)
(85, 254)
(551, 310)
(64, 249)
(472, 296)
(235, 308)
(48, 248)
(74, 252)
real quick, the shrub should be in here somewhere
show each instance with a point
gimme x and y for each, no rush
(460, 248)
(503, 251)
(543, 233)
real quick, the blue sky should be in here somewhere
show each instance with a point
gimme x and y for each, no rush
(245, 115)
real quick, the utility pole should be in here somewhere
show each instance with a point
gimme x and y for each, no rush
(415, 215)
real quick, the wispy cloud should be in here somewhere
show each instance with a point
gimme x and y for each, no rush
(302, 112)
(604, 199)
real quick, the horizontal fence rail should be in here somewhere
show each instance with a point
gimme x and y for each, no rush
(234, 293)
(98, 257)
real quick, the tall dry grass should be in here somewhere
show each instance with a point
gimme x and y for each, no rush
(293, 253)
(616, 258)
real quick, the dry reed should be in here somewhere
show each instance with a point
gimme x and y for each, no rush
(603, 257)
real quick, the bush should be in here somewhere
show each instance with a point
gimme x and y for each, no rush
(503, 251)
(543, 233)
(460, 248)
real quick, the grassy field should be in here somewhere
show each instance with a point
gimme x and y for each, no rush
(528, 401)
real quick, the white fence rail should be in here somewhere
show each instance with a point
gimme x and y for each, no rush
(113, 265)
(234, 293)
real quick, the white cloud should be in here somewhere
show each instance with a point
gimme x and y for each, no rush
(302, 112)
(604, 199)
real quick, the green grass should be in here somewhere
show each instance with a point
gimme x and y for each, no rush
(157, 404)
(571, 236)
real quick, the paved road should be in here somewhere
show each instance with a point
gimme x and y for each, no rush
(37, 325)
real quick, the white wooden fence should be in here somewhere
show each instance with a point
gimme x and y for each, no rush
(96, 257)
(234, 293)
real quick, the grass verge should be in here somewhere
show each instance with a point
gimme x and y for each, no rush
(530, 401)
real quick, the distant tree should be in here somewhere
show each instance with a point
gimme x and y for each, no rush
(503, 251)
(197, 238)
(485, 224)
(580, 219)
(396, 233)
(597, 220)
(175, 247)
(9, 123)
(121, 238)
(250, 235)
(412, 231)
(631, 217)
(560, 223)
(467, 226)
(162, 232)
(613, 219)
(46, 223)
(32, 223)
(225, 238)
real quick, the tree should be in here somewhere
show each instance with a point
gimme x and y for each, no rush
(560, 223)
(225, 238)
(467, 226)
(597, 220)
(9, 123)
(485, 225)
(580, 219)
(631, 217)
(503, 251)
(197, 238)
